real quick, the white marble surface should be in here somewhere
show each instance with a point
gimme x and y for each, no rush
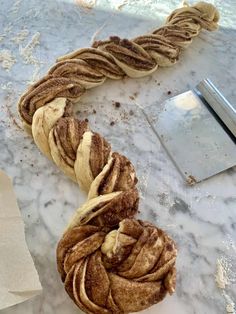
(202, 219)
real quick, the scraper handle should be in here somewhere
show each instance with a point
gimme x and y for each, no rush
(225, 111)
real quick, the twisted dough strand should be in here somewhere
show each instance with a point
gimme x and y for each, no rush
(114, 58)
(110, 262)
(85, 68)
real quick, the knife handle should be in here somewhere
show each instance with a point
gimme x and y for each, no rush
(224, 110)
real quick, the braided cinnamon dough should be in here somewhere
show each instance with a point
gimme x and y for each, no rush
(110, 262)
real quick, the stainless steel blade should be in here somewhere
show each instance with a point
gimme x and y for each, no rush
(194, 139)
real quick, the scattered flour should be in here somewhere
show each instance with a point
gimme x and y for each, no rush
(8, 86)
(36, 74)
(226, 275)
(16, 6)
(28, 58)
(21, 36)
(221, 277)
(230, 305)
(6, 30)
(230, 245)
(7, 60)
(27, 52)
(143, 177)
(166, 199)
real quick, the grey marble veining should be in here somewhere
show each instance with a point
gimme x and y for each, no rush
(202, 219)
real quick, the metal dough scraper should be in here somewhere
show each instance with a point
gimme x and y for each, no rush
(198, 131)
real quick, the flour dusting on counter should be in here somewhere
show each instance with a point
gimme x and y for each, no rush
(221, 275)
(7, 60)
(16, 6)
(7, 86)
(27, 51)
(21, 36)
(28, 57)
(226, 274)
(230, 305)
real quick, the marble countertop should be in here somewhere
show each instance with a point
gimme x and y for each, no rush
(202, 218)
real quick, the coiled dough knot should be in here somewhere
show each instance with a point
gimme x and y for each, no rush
(110, 262)
(120, 271)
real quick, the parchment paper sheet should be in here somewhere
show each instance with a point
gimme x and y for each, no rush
(19, 279)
